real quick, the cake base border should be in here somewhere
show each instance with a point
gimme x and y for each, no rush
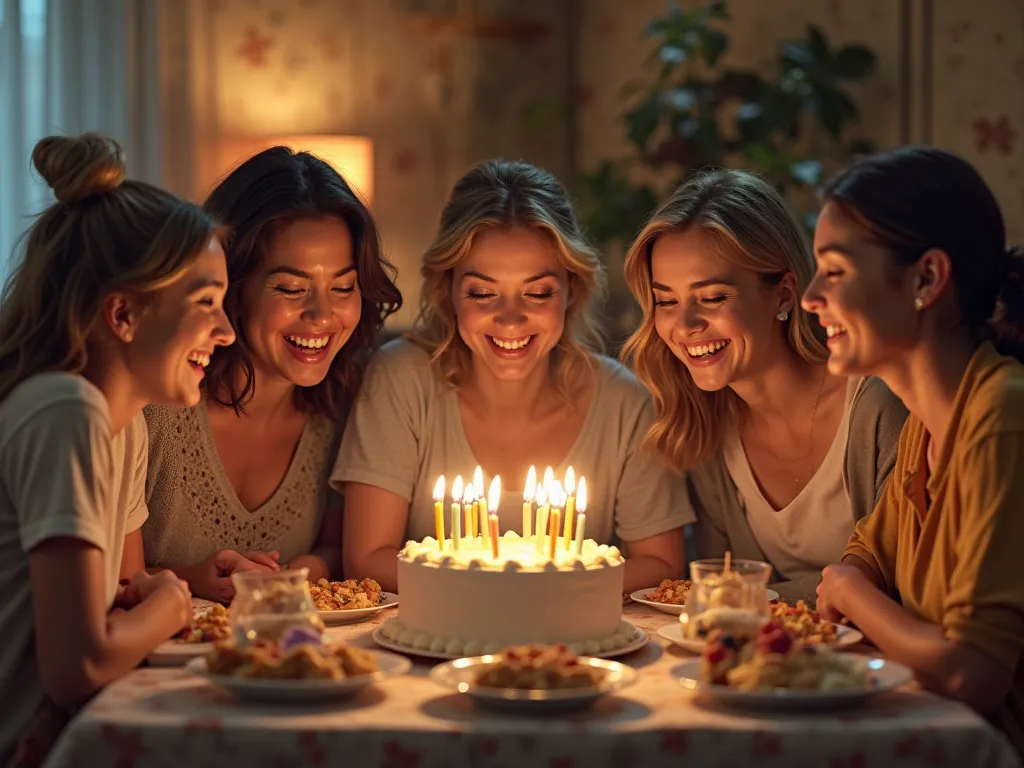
(640, 639)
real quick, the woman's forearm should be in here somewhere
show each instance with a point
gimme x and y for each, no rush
(647, 571)
(381, 565)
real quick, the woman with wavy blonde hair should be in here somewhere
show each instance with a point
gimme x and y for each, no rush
(502, 371)
(782, 457)
(116, 304)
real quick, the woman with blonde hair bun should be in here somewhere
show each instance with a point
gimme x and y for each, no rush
(782, 457)
(116, 304)
(502, 371)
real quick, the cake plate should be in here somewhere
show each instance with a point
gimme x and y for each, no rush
(640, 639)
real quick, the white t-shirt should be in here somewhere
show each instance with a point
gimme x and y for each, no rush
(406, 428)
(811, 531)
(62, 474)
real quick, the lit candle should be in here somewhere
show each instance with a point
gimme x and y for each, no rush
(581, 519)
(549, 481)
(493, 498)
(439, 511)
(485, 528)
(556, 519)
(468, 506)
(479, 516)
(570, 501)
(456, 512)
(542, 518)
(528, 493)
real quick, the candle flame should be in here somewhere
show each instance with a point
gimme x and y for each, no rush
(549, 480)
(439, 489)
(558, 495)
(457, 488)
(542, 496)
(469, 494)
(478, 479)
(570, 481)
(531, 484)
(494, 494)
(581, 495)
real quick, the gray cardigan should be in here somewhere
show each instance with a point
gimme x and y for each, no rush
(876, 420)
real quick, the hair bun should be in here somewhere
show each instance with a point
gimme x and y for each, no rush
(78, 167)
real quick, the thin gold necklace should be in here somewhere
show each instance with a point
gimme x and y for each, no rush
(810, 431)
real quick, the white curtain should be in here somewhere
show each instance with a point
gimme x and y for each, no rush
(68, 66)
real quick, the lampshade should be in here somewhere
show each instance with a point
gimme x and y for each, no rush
(351, 156)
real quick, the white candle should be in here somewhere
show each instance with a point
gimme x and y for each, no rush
(528, 493)
(581, 518)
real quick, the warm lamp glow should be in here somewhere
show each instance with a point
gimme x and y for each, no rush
(351, 156)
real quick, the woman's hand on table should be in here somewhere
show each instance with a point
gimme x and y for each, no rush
(837, 581)
(211, 578)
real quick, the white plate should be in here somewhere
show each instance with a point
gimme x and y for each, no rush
(303, 691)
(640, 596)
(883, 675)
(674, 634)
(640, 639)
(172, 654)
(334, 618)
(459, 676)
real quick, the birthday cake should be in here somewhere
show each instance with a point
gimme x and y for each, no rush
(467, 602)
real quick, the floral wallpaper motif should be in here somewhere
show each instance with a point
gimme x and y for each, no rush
(978, 95)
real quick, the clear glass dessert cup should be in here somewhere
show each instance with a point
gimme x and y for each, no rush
(269, 605)
(736, 599)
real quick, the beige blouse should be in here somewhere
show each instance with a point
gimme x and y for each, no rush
(406, 428)
(194, 511)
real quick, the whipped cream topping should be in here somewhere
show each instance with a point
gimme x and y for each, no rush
(514, 554)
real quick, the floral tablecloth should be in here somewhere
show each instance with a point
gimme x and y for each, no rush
(167, 717)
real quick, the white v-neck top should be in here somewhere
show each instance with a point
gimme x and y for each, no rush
(811, 531)
(405, 429)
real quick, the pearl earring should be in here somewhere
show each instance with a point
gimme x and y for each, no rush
(783, 315)
(918, 303)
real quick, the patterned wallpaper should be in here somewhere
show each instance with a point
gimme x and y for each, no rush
(441, 84)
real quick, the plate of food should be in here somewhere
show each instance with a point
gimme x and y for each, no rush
(209, 625)
(800, 622)
(670, 596)
(349, 601)
(771, 670)
(534, 679)
(303, 673)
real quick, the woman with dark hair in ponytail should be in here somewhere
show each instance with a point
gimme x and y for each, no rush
(915, 284)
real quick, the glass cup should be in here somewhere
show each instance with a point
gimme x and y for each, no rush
(270, 604)
(737, 599)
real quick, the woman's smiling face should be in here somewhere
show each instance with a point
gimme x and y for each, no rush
(718, 318)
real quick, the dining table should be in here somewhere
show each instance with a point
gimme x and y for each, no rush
(170, 717)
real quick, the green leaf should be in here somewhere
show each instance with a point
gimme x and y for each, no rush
(854, 61)
(818, 45)
(671, 54)
(797, 54)
(715, 44)
(719, 10)
(835, 110)
(642, 122)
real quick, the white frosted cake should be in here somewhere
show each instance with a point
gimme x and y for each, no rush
(467, 603)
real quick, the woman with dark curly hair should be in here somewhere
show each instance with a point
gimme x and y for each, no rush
(240, 481)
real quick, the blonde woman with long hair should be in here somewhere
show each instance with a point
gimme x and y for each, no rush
(117, 304)
(502, 371)
(782, 457)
